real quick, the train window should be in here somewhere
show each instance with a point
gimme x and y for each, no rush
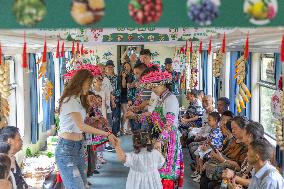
(267, 88)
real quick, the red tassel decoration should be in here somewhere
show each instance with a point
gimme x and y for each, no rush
(282, 49)
(57, 49)
(25, 65)
(190, 48)
(200, 47)
(82, 49)
(224, 44)
(186, 46)
(78, 48)
(73, 48)
(44, 51)
(0, 53)
(246, 52)
(210, 46)
(58, 178)
(181, 50)
(62, 54)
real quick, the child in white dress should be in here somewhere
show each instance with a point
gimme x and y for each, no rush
(143, 162)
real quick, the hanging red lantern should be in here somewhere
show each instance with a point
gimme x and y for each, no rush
(62, 54)
(200, 46)
(282, 49)
(82, 49)
(73, 48)
(57, 49)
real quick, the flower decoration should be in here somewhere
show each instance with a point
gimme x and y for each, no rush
(260, 12)
(156, 78)
(96, 71)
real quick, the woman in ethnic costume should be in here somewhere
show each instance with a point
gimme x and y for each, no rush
(164, 127)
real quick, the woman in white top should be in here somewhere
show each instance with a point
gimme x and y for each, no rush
(143, 162)
(69, 154)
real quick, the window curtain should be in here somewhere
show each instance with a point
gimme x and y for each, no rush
(234, 55)
(62, 65)
(49, 106)
(33, 98)
(278, 73)
(204, 60)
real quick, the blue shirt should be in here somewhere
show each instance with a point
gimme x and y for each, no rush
(267, 178)
(216, 137)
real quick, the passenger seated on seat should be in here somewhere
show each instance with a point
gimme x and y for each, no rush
(214, 142)
(193, 115)
(143, 162)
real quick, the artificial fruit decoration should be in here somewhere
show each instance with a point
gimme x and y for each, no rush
(260, 12)
(29, 12)
(86, 12)
(145, 11)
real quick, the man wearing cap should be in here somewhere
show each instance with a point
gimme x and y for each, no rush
(115, 105)
(175, 76)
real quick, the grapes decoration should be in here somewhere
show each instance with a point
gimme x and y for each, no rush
(203, 12)
(145, 11)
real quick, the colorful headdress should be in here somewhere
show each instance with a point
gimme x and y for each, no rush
(156, 78)
(95, 70)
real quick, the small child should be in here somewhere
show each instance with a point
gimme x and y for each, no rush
(144, 162)
(214, 140)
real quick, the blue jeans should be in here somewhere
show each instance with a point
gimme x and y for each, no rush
(116, 114)
(134, 125)
(69, 157)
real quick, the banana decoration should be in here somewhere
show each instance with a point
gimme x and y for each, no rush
(243, 93)
(47, 89)
(279, 133)
(193, 67)
(218, 63)
(42, 70)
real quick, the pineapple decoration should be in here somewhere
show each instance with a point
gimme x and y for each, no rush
(194, 70)
(218, 63)
(86, 12)
(47, 89)
(29, 12)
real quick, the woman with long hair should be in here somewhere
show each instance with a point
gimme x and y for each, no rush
(69, 153)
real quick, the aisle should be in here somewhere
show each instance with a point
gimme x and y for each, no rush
(114, 174)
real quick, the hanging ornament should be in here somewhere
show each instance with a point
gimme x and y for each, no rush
(42, 69)
(62, 54)
(224, 44)
(279, 133)
(200, 46)
(210, 46)
(243, 94)
(218, 63)
(57, 49)
(78, 48)
(73, 49)
(29, 12)
(203, 12)
(82, 49)
(260, 12)
(145, 11)
(193, 71)
(47, 89)
(246, 51)
(86, 12)
(190, 50)
(25, 64)
(4, 111)
(5, 78)
(282, 49)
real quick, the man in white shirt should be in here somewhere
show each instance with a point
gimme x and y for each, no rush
(266, 176)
